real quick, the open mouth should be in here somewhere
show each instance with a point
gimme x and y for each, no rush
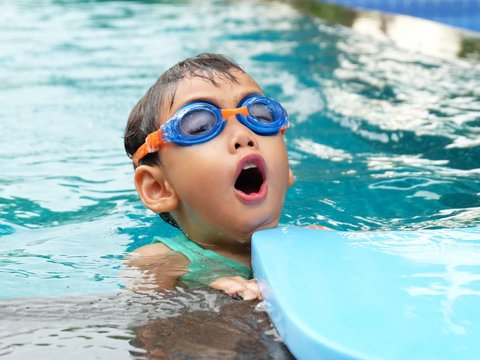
(250, 183)
(250, 179)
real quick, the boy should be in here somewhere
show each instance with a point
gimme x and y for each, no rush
(217, 169)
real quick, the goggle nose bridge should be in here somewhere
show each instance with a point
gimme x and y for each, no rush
(226, 113)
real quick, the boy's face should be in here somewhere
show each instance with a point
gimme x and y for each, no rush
(219, 198)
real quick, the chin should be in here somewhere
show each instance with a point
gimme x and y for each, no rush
(256, 224)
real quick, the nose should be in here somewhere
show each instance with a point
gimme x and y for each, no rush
(241, 136)
(243, 141)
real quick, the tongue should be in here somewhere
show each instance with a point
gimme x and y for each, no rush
(249, 181)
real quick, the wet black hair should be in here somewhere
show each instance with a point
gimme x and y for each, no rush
(144, 117)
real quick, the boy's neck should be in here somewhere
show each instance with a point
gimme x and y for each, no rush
(240, 252)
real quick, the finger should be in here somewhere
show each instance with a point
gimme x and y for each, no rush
(258, 294)
(228, 285)
(248, 294)
(253, 287)
(247, 289)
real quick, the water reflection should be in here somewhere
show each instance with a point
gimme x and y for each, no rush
(411, 33)
(175, 324)
(237, 331)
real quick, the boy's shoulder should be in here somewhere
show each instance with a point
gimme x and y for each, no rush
(156, 248)
(151, 254)
(154, 267)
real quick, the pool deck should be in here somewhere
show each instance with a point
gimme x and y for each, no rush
(463, 14)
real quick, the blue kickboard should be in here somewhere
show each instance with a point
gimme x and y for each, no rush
(372, 295)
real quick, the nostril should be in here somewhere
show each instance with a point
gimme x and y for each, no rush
(241, 143)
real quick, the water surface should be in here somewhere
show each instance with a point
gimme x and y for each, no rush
(385, 135)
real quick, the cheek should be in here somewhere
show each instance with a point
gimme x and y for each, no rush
(195, 174)
(278, 164)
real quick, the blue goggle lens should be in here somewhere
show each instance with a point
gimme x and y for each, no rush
(198, 122)
(261, 113)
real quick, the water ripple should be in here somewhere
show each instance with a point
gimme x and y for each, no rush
(382, 137)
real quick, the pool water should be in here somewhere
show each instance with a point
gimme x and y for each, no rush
(385, 135)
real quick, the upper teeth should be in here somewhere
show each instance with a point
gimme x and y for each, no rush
(249, 166)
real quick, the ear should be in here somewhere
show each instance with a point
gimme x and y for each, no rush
(291, 178)
(154, 189)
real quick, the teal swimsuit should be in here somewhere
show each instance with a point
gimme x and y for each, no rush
(205, 265)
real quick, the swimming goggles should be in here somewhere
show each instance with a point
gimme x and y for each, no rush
(198, 122)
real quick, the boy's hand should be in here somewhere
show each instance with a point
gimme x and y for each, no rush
(237, 286)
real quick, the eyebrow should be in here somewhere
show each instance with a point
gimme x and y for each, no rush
(210, 100)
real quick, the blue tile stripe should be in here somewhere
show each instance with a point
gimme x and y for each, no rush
(460, 13)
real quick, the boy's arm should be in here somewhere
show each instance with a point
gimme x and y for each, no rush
(157, 267)
(153, 267)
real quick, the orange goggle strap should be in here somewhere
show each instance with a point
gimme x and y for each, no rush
(151, 145)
